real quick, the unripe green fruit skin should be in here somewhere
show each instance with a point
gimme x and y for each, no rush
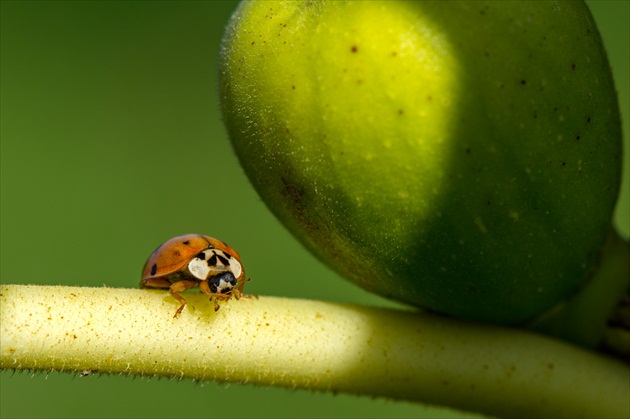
(459, 156)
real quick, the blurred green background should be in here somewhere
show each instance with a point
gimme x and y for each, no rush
(111, 143)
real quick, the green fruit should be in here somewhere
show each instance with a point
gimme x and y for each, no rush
(459, 156)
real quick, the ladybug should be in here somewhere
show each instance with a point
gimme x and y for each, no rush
(186, 261)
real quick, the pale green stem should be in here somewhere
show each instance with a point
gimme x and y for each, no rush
(309, 344)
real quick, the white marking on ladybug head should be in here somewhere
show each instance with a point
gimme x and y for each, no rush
(211, 262)
(198, 268)
(236, 268)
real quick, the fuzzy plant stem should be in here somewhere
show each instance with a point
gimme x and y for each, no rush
(308, 344)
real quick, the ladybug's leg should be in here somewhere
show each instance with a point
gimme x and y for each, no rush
(205, 288)
(238, 291)
(241, 284)
(180, 286)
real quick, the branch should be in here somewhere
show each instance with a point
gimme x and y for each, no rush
(308, 344)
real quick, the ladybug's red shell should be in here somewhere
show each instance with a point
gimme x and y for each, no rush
(177, 252)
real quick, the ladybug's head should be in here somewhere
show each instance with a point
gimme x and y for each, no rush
(222, 283)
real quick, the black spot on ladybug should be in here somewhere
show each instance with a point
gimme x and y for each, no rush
(223, 260)
(212, 261)
(227, 255)
(201, 256)
(186, 243)
(154, 269)
(214, 283)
